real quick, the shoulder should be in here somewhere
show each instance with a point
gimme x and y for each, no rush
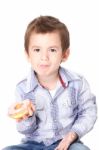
(21, 85)
(28, 83)
(71, 75)
(75, 79)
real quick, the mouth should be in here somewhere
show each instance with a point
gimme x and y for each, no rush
(43, 66)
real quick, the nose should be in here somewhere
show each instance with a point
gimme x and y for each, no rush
(44, 56)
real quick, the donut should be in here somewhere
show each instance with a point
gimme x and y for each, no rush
(19, 111)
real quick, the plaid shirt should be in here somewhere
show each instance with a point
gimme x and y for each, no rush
(73, 108)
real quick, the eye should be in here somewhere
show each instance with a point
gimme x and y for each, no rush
(53, 50)
(36, 49)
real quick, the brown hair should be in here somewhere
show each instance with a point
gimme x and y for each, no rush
(45, 24)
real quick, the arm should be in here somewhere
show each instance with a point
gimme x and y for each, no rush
(66, 141)
(28, 125)
(86, 117)
(87, 111)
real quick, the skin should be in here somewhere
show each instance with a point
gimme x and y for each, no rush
(22, 110)
(45, 56)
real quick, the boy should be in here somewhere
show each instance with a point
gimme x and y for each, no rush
(59, 106)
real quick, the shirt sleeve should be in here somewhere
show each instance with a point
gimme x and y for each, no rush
(25, 126)
(87, 110)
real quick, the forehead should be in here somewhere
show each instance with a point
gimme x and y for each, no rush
(50, 37)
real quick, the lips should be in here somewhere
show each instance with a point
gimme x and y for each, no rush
(43, 66)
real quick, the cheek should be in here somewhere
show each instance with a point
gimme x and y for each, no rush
(58, 59)
(34, 58)
(56, 63)
(32, 61)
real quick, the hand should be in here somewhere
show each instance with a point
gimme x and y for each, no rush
(63, 145)
(66, 141)
(21, 110)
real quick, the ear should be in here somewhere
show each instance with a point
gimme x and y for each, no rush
(65, 55)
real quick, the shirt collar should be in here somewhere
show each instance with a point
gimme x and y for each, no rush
(65, 77)
(32, 81)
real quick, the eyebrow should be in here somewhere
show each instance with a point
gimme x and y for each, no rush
(35, 46)
(53, 46)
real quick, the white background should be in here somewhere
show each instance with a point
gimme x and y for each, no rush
(82, 20)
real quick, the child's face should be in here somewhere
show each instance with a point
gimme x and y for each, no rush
(45, 53)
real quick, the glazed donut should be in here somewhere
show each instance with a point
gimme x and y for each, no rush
(18, 111)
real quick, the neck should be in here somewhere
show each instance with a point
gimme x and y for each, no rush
(48, 82)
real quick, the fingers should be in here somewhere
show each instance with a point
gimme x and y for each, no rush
(21, 110)
(30, 111)
(30, 107)
(60, 148)
(28, 103)
(63, 145)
